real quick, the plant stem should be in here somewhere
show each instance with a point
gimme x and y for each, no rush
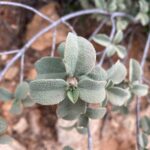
(90, 141)
(138, 104)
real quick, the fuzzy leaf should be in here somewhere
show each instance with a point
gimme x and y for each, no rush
(3, 126)
(28, 102)
(67, 148)
(110, 51)
(48, 91)
(98, 73)
(22, 91)
(139, 89)
(96, 113)
(121, 51)
(143, 140)
(16, 108)
(5, 95)
(135, 70)
(92, 91)
(117, 73)
(61, 49)
(121, 24)
(73, 95)
(100, 4)
(118, 37)
(143, 18)
(144, 6)
(145, 124)
(79, 56)
(102, 39)
(83, 121)
(50, 68)
(69, 111)
(5, 139)
(117, 96)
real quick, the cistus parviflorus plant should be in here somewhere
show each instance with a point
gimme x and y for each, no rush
(75, 82)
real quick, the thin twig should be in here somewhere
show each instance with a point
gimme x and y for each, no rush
(112, 34)
(90, 142)
(15, 4)
(49, 27)
(53, 42)
(138, 100)
(98, 29)
(9, 52)
(22, 68)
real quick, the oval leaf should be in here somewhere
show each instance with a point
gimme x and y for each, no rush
(135, 70)
(92, 91)
(139, 89)
(48, 91)
(22, 91)
(121, 51)
(69, 111)
(117, 73)
(102, 39)
(98, 73)
(3, 126)
(96, 113)
(117, 96)
(61, 49)
(5, 95)
(79, 56)
(16, 108)
(50, 68)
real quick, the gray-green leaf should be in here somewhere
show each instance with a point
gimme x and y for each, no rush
(121, 51)
(92, 91)
(17, 107)
(98, 73)
(50, 68)
(102, 39)
(5, 139)
(143, 140)
(118, 37)
(117, 72)
(96, 113)
(22, 91)
(135, 70)
(48, 91)
(117, 96)
(79, 56)
(145, 124)
(139, 89)
(5, 95)
(69, 111)
(3, 126)
(61, 49)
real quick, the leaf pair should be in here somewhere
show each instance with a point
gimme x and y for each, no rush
(116, 74)
(112, 47)
(135, 75)
(20, 97)
(4, 138)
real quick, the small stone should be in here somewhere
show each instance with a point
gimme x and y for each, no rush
(21, 126)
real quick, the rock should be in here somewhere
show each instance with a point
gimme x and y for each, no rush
(21, 126)
(11, 73)
(39, 23)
